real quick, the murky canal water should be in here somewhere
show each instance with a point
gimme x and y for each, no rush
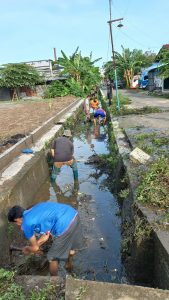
(100, 259)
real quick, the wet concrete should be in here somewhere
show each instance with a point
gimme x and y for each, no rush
(100, 259)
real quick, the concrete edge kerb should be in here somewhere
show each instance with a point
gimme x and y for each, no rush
(7, 156)
(148, 214)
(105, 290)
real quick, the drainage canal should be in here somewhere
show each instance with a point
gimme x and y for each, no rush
(100, 259)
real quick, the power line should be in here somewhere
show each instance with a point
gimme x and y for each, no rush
(134, 25)
(135, 41)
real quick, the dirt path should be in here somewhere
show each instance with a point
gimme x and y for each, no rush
(23, 117)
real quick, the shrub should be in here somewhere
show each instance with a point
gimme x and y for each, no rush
(75, 88)
(154, 188)
(56, 89)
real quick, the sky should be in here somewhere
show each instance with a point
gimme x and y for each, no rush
(30, 29)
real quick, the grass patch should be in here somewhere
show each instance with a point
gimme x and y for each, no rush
(162, 141)
(124, 101)
(150, 143)
(10, 290)
(149, 149)
(143, 136)
(154, 187)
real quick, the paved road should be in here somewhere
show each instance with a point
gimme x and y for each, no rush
(157, 121)
(141, 99)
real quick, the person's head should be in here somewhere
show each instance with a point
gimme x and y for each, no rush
(67, 133)
(15, 214)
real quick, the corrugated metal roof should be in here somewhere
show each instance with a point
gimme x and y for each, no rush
(152, 67)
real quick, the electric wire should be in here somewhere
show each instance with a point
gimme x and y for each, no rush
(134, 27)
(135, 41)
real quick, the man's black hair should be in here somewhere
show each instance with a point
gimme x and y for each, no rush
(15, 212)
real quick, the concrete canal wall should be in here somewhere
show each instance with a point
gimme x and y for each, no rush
(151, 258)
(22, 178)
(148, 259)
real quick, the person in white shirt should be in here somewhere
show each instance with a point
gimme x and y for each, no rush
(87, 108)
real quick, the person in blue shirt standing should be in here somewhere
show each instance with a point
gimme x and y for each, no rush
(47, 219)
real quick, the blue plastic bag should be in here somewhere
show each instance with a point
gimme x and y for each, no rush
(27, 151)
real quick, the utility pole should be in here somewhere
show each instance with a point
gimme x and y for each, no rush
(113, 54)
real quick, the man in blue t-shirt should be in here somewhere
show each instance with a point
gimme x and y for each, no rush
(99, 114)
(47, 219)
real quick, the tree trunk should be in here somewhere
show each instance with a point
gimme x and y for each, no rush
(15, 95)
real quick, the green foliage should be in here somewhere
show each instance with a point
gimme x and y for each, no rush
(123, 101)
(56, 89)
(44, 294)
(164, 59)
(147, 148)
(9, 290)
(124, 110)
(13, 292)
(143, 136)
(74, 88)
(124, 193)
(80, 69)
(19, 75)
(161, 141)
(109, 71)
(154, 187)
(128, 63)
(81, 292)
(6, 275)
(82, 76)
(142, 230)
(153, 143)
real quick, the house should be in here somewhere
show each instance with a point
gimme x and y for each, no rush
(47, 69)
(150, 77)
(155, 81)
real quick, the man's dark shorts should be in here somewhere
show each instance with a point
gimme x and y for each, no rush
(72, 239)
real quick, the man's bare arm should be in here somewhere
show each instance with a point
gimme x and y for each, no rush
(35, 244)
